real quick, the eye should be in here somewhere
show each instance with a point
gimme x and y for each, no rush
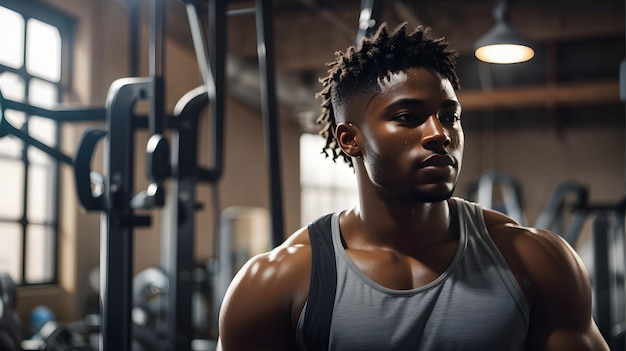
(449, 118)
(407, 118)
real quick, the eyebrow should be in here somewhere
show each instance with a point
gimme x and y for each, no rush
(420, 103)
(450, 103)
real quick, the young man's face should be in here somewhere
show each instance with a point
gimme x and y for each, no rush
(411, 136)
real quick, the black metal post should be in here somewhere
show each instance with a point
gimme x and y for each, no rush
(134, 44)
(265, 50)
(157, 65)
(216, 87)
(602, 277)
(177, 237)
(116, 239)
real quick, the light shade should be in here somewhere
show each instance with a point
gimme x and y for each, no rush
(502, 44)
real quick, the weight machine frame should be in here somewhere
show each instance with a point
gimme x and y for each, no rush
(118, 202)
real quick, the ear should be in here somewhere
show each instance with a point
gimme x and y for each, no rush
(347, 135)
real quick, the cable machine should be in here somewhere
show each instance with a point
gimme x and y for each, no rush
(178, 227)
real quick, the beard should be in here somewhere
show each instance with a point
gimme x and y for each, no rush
(420, 196)
(415, 195)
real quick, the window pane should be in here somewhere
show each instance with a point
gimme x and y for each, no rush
(39, 254)
(12, 38)
(10, 147)
(15, 118)
(41, 180)
(43, 50)
(316, 169)
(42, 93)
(11, 250)
(326, 186)
(11, 188)
(12, 85)
(43, 129)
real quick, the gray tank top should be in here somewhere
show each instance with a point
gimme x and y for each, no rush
(476, 304)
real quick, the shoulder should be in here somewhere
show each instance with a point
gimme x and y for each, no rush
(555, 280)
(278, 271)
(542, 253)
(543, 256)
(261, 302)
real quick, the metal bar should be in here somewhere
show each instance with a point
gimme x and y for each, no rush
(225, 260)
(29, 140)
(553, 207)
(602, 283)
(178, 230)
(217, 90)
(620, 281)
(133, 48)
(157, 30)
(56, 209)
(241, 12)
(157, 65)
(510, 193)
(76, 114)
(23, 219)
(116, 247)
(617, 242)
(265, 50)
(575, 226)
(199, 43)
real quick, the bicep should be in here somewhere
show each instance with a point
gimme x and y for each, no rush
(561, 313)
(563, 338)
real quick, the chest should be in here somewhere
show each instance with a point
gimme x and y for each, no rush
(400, 271)
(468, 305)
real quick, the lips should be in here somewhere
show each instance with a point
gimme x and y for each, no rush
(438, 160)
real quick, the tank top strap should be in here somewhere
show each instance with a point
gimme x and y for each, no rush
(319, 306)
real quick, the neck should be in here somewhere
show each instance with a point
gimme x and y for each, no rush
(405, 217)
(385, 220)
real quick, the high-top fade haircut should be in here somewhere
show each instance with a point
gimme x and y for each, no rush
(358, 69)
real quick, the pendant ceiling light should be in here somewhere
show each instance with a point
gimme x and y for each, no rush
(503, 44)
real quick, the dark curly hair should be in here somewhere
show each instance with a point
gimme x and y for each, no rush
(358, 69)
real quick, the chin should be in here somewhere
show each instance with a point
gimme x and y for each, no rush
(423, 196)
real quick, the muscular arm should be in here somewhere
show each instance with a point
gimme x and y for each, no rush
(257, 311)
(559, 293)
(561, 314)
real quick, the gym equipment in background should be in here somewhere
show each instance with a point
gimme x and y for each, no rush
(180, 168)
(10, 325)
(484, 189)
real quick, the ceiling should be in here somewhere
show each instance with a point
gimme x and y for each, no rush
(579, 45)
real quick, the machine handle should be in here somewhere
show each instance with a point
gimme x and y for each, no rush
(90, 200)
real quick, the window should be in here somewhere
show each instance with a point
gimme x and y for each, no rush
(325, 186)
(33, 63)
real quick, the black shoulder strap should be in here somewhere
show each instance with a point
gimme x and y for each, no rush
(321, 300)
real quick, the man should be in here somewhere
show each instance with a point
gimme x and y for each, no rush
(410, 267)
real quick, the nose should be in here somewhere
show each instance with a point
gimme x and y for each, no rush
(434, 136)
